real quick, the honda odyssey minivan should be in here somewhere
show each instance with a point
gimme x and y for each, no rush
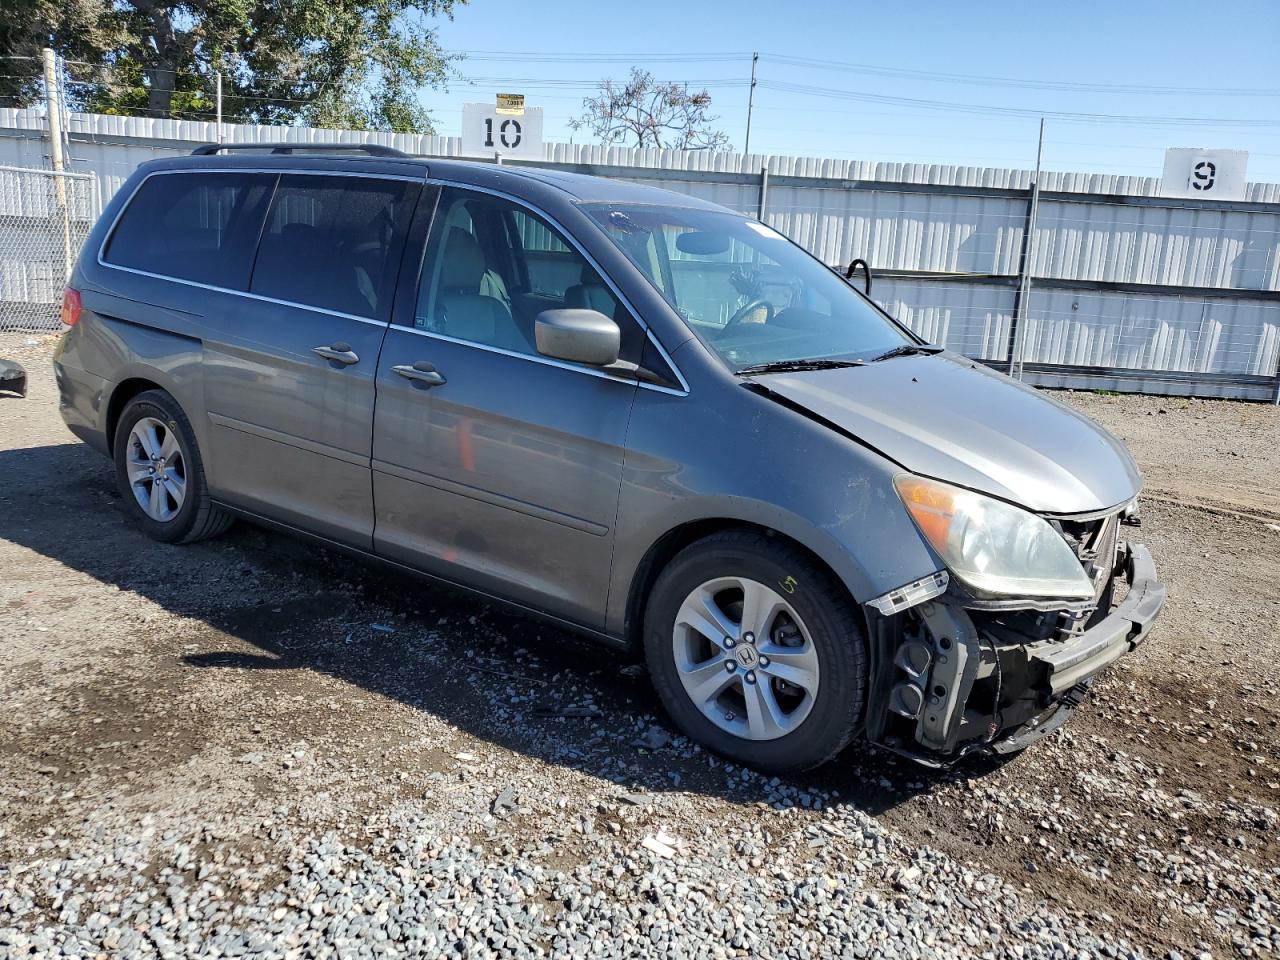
(643, 416)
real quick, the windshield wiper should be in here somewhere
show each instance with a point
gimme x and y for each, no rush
(908, 349)
(793, 366)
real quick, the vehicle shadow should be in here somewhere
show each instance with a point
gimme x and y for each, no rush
(273, 603)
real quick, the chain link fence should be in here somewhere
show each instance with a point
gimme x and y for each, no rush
(44, 219)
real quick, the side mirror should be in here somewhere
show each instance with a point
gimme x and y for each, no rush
(581, 336)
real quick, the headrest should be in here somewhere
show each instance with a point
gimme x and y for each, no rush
(292, 233)
(463, 266)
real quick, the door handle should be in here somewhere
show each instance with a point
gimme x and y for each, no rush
(421, 372)
(338, 353)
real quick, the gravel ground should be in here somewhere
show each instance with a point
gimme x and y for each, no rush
(251, 748)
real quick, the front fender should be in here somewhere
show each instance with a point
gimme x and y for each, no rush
(773, 467)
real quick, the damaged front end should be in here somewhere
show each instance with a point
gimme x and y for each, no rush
(954, 672)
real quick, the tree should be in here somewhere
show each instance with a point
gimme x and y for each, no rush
(645, 112)
(82, 30)
(348, 63)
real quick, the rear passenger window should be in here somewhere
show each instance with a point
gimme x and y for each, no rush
(193, 226)
(334, 242)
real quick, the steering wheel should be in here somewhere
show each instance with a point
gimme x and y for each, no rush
(747, 309)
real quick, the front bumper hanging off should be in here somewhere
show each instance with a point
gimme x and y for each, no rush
(949, 679)
(13, 377)
(1120, 632)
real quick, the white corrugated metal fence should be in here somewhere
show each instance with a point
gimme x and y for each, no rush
(1128, 290)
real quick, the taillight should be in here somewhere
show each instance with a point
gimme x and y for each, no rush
(71, 306)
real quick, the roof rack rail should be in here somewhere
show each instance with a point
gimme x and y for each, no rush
(370, 149)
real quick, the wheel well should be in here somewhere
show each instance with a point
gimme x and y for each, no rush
(675, 540)
(125, 391)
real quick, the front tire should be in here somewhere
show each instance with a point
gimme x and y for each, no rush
(160, 473)
(756, 651)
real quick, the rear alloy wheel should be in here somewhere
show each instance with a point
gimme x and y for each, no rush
(160, 473)
(156, 468)
(756, 651)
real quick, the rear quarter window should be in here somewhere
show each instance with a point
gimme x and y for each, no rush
(193, 226)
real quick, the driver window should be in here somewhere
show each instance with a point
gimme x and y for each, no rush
(717, 278)
(492, 266)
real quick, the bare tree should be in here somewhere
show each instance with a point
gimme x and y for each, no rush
(645, 112)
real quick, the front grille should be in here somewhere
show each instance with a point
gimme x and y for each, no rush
(1095, 542)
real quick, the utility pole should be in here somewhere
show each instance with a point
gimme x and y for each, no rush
(218, 101)
(64, 112)
(53, 109)
(751, 101)
(1022, 304)
(53, 115)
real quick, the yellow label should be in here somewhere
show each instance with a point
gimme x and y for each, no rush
(511, 104)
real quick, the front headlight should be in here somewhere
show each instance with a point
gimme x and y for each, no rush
(996, 549)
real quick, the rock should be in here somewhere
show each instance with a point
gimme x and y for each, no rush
(661, 844)
(654, 738)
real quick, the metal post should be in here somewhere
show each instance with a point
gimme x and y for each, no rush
(218, 101)
(764, 192)
(751, 101)
(63, 109)
(53, 114)
(1018, 333)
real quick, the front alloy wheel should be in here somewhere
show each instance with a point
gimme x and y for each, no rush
(757, 650)
(745, 658)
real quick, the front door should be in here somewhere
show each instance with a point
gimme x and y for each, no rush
(492, 465)
(289, 375)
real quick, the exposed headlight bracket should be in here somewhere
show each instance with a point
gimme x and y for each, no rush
(908, 595)
(957, 654)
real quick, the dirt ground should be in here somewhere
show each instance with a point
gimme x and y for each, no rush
(251, 688)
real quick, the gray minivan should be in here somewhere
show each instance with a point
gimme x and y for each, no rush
(641, 415)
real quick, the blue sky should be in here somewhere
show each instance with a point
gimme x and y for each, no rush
(1190, 59)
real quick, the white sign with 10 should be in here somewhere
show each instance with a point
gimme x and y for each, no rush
(487, 131)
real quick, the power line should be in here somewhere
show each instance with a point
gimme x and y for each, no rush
(509, 56)
(552, 82)
(801, 89)
(982, 80)
(991, 109)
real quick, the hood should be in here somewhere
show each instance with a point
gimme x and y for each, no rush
(952, 419)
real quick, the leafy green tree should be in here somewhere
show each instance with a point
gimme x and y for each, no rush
(347, 63)
(78, 29)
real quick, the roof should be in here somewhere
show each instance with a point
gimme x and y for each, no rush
(525, 181)
(580, 187)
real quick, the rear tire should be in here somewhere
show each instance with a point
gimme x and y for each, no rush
(783, 691)
(160, 473)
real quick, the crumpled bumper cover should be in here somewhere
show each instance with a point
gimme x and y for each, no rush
(13, 377)
(1073, 665)
(982, 683)
(1121, 631)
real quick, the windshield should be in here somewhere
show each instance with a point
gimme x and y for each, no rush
(748, 292)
